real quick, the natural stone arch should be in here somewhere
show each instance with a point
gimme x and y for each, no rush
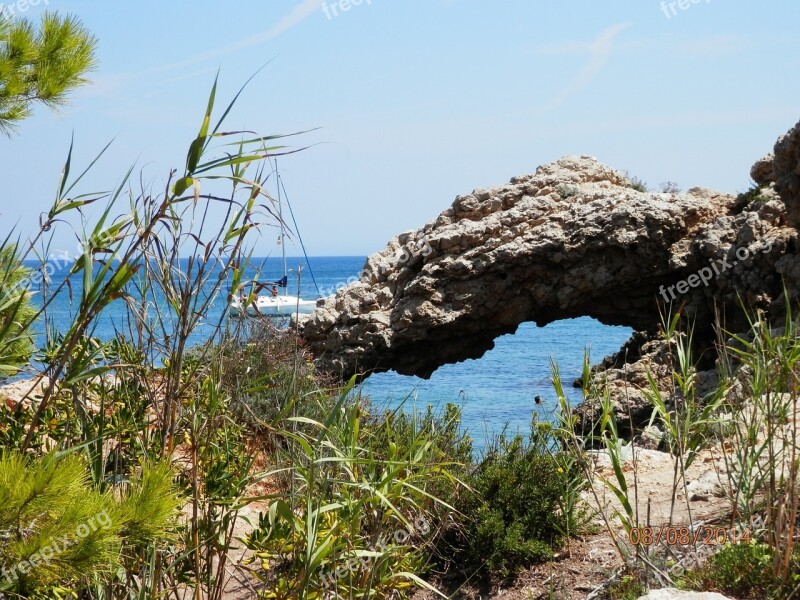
(573, 239)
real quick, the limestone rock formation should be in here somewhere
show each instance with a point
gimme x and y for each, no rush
(778, 174)
(625, 377)
(781, 170)
(573, 239)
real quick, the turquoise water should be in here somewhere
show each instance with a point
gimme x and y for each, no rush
(499, 389)
(494, 391)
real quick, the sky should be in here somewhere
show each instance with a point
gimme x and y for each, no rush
(418, 101)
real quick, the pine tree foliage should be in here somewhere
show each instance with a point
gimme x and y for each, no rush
(57, 529)
(41, 65)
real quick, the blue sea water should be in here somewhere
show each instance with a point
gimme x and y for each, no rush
(495, 391)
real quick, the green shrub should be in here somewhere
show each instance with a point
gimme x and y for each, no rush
(669, 187)
(752, 198)
(355, 521)
(628, 588)
(399, 431)
(145, 399)
(637, 184)
(567, 191)
(517, 515)
(268, 376)
(744, 571)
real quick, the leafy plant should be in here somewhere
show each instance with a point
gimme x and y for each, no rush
(398, 432)
(518, 514)
(756, 404)
(353, 523)
(635, 183)
(689, 426)
(744, 571)
(763, 457)
(567, 191)
(152, 395)
(752, 198)
(267, 374)
(628, 588)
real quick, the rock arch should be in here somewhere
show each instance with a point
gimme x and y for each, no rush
(573, 239)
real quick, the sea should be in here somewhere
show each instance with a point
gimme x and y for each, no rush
(497, 392)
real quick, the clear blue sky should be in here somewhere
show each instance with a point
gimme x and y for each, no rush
(421, 100)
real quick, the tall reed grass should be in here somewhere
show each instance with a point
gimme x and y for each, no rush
(750, 417)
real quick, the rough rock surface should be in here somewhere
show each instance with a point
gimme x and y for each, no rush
(627, 386)
(673, 594)
(625, 376)
(573, 239)
(781, 170)
(778, 174)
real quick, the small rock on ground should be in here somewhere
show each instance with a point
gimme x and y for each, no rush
(673, 594)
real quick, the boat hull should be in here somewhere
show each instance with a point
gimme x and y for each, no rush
(281, 306)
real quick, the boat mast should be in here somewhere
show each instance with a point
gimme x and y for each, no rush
(283, 232)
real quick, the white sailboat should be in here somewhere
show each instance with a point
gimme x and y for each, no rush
(275, 304)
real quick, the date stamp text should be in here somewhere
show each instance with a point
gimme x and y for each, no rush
(685, 536)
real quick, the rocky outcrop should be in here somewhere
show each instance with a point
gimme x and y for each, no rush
(625, 374)
(628, 386)
(781, 170)
(573, 239)
(626, 378)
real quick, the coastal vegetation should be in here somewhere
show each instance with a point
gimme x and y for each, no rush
(128, 464)
(748, 423)
(197, 456)
(750, 199)
(130, 471)
(635, 183)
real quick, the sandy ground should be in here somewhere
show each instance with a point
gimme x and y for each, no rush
(650, 477)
